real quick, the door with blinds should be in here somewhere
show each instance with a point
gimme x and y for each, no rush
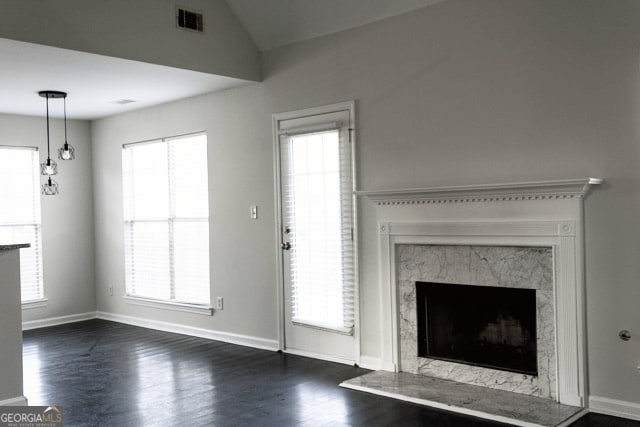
(316, 230)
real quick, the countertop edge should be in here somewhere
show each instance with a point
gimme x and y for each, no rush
(14, 246)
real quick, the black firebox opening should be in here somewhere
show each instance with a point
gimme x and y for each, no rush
(478, 325)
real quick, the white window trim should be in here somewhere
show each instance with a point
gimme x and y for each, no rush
(203, 309)
(42, 301)
(206, 310)
(323, 327)
(34, 303)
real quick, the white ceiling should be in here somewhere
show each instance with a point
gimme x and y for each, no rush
(273, 23)
(96, 83)
(93, 82)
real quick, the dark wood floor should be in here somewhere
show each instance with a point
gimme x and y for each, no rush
(109, 374)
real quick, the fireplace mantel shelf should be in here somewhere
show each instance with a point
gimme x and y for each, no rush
(558, 189)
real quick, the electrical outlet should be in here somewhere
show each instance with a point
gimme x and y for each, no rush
(219, 303)
(110, 289)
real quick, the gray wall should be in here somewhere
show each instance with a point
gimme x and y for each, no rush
(67, 219)
(461, 92)
(240, 174)
(141, 30)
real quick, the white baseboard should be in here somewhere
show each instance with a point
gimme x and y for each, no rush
(14, 401)
(373, 363)
(227, 337)
(320, 356)
(574, 418)
(53, 321)
(617, 408)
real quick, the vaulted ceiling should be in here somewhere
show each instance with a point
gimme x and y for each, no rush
(274, 23)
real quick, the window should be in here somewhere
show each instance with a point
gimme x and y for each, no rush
(166, 217)
(20, 214)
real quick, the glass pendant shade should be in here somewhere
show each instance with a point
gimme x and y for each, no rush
(49, 167)
(66, 152)
(50, 188)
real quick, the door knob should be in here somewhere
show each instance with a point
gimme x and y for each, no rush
(285, 246)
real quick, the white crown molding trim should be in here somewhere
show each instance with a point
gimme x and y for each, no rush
(617, 408)
(227, 337)
(534, 190)
(15, 401)
(53, 321)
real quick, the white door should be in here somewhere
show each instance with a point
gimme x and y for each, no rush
(317, 233)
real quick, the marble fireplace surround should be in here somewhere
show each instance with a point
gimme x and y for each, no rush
(497, 266)
(534, 215)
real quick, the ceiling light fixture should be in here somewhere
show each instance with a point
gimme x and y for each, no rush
(49, 167)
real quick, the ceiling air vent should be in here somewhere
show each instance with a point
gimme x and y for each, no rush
(123, 101)
(189, 20)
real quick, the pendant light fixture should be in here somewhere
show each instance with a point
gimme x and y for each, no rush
(50, 188)
(49, 167)
(66, 152)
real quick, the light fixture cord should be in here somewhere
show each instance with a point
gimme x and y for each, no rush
(65, 121)
(48, 148)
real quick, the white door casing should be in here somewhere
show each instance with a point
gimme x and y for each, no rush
(307, 336)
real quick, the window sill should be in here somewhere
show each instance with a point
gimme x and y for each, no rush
(206, 310)
(34, 303)
(323, 327)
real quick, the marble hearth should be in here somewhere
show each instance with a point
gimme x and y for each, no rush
(497, 405)
(521, 235)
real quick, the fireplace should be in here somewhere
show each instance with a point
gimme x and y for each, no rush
(513, 235)
(486, 326)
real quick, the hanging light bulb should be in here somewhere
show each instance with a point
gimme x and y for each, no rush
(50, 187)
(67, 151)
(48, 167)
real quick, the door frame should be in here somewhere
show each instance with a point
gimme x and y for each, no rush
(276, 119)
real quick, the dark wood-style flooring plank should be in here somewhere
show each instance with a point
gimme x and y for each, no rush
(109, 374)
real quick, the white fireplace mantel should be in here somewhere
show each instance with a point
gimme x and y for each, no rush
(548, 213)
(567, 188)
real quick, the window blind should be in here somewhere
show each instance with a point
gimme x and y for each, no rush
(20, 214)
(166, 214)
(318, 208)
